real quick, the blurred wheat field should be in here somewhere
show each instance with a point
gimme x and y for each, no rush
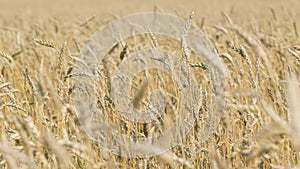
(258, 42)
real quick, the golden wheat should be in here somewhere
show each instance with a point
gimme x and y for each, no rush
(258, 129)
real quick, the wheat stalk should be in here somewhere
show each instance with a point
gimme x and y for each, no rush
(6, 56)
(87, 20)
(184, 45)
(45, 43)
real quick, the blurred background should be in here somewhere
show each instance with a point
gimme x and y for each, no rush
(209, 9)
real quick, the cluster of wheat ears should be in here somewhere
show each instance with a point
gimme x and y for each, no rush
(258, 128)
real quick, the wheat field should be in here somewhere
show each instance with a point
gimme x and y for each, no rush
(257, 41)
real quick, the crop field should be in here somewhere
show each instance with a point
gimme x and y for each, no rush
(243, 101)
